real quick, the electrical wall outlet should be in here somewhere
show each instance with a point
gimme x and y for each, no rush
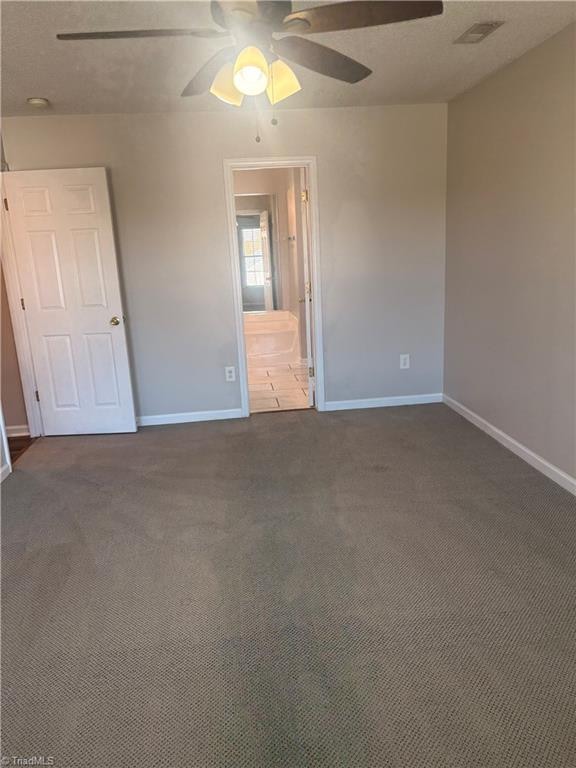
(230, 373)
(404, 362)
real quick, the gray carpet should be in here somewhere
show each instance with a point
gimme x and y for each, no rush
(351, 590)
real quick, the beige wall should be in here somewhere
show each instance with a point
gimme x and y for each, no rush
(382, 233)
(11, 386)
(510, 288)
(252, 203)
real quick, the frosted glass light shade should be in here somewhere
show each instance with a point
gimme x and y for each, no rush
(251, 71)
(282, 82)
(223, 86)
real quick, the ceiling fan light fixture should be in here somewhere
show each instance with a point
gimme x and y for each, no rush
(223, 86)
(282, 82)
(251, 71)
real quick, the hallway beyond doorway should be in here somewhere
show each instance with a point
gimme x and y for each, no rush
(273, 239)
(277, 376)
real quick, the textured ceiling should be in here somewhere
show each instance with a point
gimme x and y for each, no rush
(411, 62)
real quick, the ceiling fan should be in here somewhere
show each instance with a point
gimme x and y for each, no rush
(268, 32)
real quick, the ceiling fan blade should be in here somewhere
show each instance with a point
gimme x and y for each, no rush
(202, 80)
(273, 12)
(359, 13)
(120, 34)
(321, 59)
(218, 15)
(234, 13)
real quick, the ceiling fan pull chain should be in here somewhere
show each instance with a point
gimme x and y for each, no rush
(258, 138)
(274, 120)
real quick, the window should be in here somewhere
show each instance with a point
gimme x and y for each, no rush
(253, 256)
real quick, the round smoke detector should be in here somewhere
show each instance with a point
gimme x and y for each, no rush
(38, 102)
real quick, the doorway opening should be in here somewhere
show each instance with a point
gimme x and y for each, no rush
(275, 274)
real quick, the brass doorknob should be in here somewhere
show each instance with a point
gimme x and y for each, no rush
(114, 320)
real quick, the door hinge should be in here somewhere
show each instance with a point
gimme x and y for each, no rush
(37, 395)
(304, 196)
(311, 371)
(6, 204)
(22, 304)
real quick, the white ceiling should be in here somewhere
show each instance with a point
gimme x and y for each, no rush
(411, 62)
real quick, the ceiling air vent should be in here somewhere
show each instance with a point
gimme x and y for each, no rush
(479, 32)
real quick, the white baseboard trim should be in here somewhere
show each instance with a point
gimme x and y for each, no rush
(382, 402)
(185, 418)
(550, 470)
(19, 430)
(4, 472)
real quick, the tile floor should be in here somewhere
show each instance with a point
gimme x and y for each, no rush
(278, 388)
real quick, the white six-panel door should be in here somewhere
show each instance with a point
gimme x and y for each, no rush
(64, 244)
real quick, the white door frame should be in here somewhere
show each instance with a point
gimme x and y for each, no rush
(305, 248)
(268, 277)
(249, 164)
(20, 328)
